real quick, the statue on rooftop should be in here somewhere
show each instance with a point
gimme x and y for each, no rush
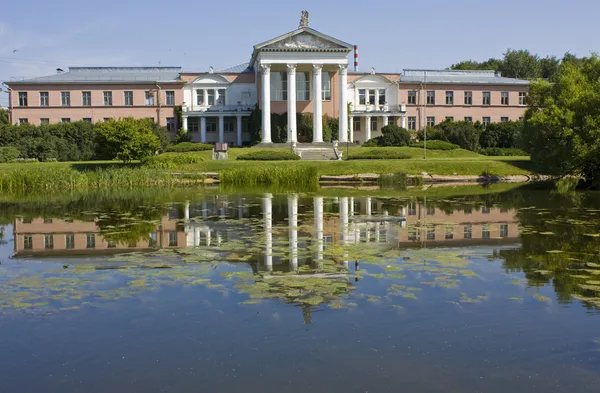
(303, 19)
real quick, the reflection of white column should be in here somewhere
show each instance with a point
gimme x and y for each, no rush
(266, 102)
(343, 122)
(186, 211)
(203, 129)
(204, 210)
(268, 218)
(367, 128)
(403, 222)
(208, 237)
(318, 202)
(293, 231)
(377, 233)
(344, 228)
(221, 128)
(197, 236)
(368, 205)
(351, 203)
(291, 102)
(318, 106)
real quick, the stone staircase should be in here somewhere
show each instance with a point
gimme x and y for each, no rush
(307, 151)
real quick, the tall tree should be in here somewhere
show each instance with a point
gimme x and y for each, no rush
(520, 64)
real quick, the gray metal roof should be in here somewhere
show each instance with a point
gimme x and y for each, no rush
(237, 69)
(109, 75)
(459, 76)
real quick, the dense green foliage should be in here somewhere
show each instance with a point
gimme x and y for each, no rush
(379, 154)
(502, 151)
(298, 177)
(502, 135)
(391, 135)
(269, 155)
(188, 146)
(562, 124)
(171, 160)
(436, 145)
(9, 154)
(462, 133)
(127, 139)
(4, 116)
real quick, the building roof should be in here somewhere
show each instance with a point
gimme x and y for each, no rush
(459, 76)
(237, 69)
(109, 75)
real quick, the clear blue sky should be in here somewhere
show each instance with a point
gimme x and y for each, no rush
(392, 35)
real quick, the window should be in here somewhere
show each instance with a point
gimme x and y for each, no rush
(468, 210)
(412, 209)
(43, 98)
(200, 96)
(485, 210)
(65, 120)
(382, 99)
(412, 234)
(27, 242)
(49, 241)
(503, 230)
(522, 98)
(356, 124)
(86, 98)
(229, 124)
(487, 98)
(222, 96)
(303, 86)
(430, 211)
(128, 98)
(47, 221)
(504, 98)
(211, 124)
(170, 97)
(449, 98)
(211, 97)
(107, 98)
(326, 87)
(412, 122)
(430, 121)
(23, 120)
(171, 124)
(486, 120)
(22, 98)
(485, 231)
(412, 97)
(150, 98)
(152, 240)
(468, 98)
(90, 240)
(468, 233)
(469, 119)
(44, 120)
(361, 97)
(431, 98)
(193, 124)
(107, 118)
(371, 98)
(278, 87)
(111, 244)
(172, 239)
(450, 118)
(70, 240)
(392, 120)
(431, 233)
(374, 124)
(87, 119)
(449, 232)
(65, 98)
(504, 119)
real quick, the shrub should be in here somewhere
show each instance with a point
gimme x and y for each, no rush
(171, 160)
(504, 134)
(189, 146)
(392, 135)
(127, 139)
(436, 145)
(462, 133)
(498, 151)
(373, 142)
(269, 155)
(379, 154)
(9, 154)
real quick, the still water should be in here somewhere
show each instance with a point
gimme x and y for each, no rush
(338, 291)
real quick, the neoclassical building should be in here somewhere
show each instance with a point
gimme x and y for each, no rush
(303, 71)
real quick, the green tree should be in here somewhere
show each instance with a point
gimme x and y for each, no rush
(549, 67)
(520, 64)
(503, 135)
(562, 124)
(462, 133)
(4, 116)
(127, 139)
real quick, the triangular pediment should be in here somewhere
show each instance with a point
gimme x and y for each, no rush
(304, 39)
(372, 79)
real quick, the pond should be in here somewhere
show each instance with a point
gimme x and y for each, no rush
(332, 291)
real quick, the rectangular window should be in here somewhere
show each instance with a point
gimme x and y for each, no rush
(70, 240)
(371, 98)
(431, 233)
(44, 120)
(382, 99)
(522, 98)
(23, 120)
(362, 100)
(90, 240)
(326, 86)
(211, 97)
(504, 98)
(430, 121)
(485, 231)
(487, 98)
(412, 234)
(65, 120)
(486, 210)
(504, 119)
(303, 86)
(86, 98)
(222, 96)
(171, 124)
(469, 119)
(150, 98)
(172, 239)
(412, 97)
(486, 120)
(449, 232)
(87, 119)
(193, 124)
(211, 124)
(128, 98)
(412, 122)
(374, 124)
(49, 241)
(450, 118)
(356, 122)
(22, 98)
(278, 87)
(200, 96)
(44, 98)
(107, 98)
(468, 98)
(412, 209)
(431, 98)
(27, 242)
(468, 231)
(430, 211)
(503, 230)
(170, 98)
(229, 124)
(449, 98)
(65, 98)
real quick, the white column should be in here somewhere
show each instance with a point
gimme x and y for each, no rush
(291, 103)
(238, 129)
(317, 103)
(266, 103)
(185, 123)
(403, 121)
(385, 121)
(221, 128)
(343, 103)
(367, 128)
(293, 230)
(351, 127)
(268, 221)
(186, 211)
(216, 93)
(318, 203)
(203, 129)
(205, 93)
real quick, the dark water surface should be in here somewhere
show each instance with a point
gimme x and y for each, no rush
(330, 292)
